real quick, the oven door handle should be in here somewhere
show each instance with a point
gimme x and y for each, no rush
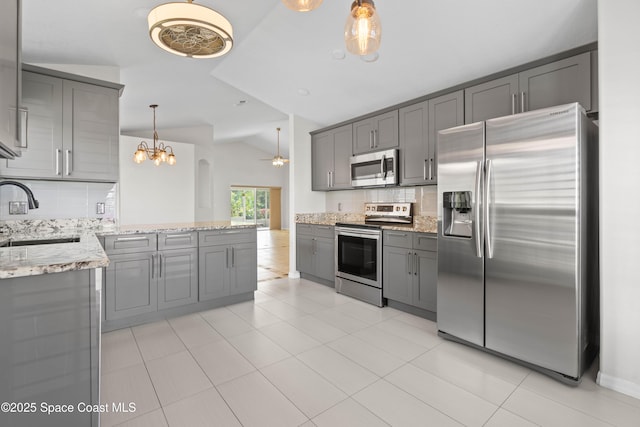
(375, 235)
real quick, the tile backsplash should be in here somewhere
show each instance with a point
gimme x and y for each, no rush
(62, 199)
(425, 199)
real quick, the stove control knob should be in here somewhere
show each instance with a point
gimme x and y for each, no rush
(397, 208)
(404, 209)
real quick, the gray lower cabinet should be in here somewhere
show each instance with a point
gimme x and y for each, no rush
(419, 125)
(72, 130)
(228, 263)
(560, 82)
(150, 272)
(410, 268)
(50, 352)
(330, 154)
(315, 251)
(376, 133)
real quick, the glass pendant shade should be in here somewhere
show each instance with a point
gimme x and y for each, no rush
(188, 29)
(363, 31)
(302, 5)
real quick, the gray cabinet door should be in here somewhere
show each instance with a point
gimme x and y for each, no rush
(9, 30)
(321, 161)
(445, 111)
(376, 133)
(177, 277)
(492, 99)
(243, 267)
(397, 274)
(561, 82)
(42, 153)
(90, 132)
(213, 272)
(130, 285)
(425, 279)
(304, 254)
(342, 146)
(414, 143)
(324, 259)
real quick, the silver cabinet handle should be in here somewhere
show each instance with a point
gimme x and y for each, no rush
(513, 103)
(522, 102)
(153, 266)
(226, 255)
(431, 168)
(161, 265)
(24, 125)
(68, 162)
(416, 270)
(375, 138)
(409, 263)
(370, 139)
(487, 218)
(129, 239)
(424, 169)
(477, 210)
(328, 179)
(58, 152)
(331, 179)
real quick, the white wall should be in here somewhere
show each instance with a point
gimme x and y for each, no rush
(152, 194)
(237, 163)
(301, 199)
(619, 68)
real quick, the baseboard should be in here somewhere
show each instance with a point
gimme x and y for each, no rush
(618, 384)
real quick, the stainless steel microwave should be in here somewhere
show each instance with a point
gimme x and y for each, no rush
(375, 169)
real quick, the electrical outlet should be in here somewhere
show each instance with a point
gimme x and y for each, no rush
(18, 208)
(100, 208)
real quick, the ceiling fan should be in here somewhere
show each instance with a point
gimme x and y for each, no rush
(277, 160)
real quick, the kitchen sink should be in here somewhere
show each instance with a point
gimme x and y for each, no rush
(15, 243)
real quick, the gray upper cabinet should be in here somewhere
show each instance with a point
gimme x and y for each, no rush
(560, 82)
(9, 90)
(330, 154)
(419, 124)
(72, 131)
(492, 99)
(376, 133)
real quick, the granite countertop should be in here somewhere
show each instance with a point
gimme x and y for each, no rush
(421, 224)
(32, 260)
(169, 227)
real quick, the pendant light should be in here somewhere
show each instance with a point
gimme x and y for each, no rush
(302, 5)
(363, 31)
(158, 154)
(188, 29)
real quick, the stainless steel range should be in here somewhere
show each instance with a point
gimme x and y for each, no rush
(359, 250)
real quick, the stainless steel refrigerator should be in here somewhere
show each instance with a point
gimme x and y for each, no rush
(518, 238)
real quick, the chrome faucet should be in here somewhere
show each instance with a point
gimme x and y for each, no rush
(33, 203)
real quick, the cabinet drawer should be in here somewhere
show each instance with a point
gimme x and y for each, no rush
(402, 239)
(130, 243)
(326, 231)
(226, 237)
(304, 229)
(425, 241)
(178, 240)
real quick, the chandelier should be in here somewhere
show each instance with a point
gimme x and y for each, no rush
(302, 5)
(188, 29)
(363, 31)
(158, 154)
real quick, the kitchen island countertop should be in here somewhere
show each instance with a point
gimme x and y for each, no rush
(86, 253)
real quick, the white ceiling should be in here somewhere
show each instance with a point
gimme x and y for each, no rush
(427, 45)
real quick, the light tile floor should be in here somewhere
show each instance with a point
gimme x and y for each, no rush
(300, 354)
(273, 254)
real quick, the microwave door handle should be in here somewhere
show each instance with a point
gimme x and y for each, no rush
(383, 166)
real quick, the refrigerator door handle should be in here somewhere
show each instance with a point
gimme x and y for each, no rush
(487, 218)
(477, 209)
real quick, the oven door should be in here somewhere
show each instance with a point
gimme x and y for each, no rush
(359, 255)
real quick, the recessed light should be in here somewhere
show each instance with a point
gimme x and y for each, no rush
(303, 92)
(372, 57)
(338, 54)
